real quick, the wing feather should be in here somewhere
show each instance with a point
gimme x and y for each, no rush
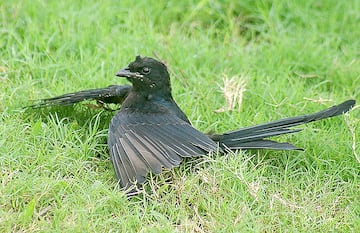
(111, 94)
(136, 157)
(142, 142)
(145, 145)
(121, 168)
(138, 151)
(148, 132)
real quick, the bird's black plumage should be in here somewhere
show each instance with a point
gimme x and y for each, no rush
(113, 94)
(150, 131)
(253, 137)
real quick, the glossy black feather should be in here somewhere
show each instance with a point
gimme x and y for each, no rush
(262, 144)
(153, 140)
(112, 94)
(240, 138)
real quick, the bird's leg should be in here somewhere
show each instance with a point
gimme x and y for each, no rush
(101, 104)
(107, 106)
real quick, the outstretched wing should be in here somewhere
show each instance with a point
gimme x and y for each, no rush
(111, 94)
(142, 142)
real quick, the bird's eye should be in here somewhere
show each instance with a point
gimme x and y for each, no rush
(146, 70)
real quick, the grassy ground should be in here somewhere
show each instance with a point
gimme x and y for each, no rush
(295, 56)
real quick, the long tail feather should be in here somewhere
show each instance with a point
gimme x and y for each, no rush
(253, 137)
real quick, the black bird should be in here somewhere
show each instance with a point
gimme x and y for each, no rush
(150, 131)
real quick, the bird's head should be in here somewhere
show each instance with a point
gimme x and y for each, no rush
(146, 74)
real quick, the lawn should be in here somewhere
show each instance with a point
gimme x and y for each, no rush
(288, 57)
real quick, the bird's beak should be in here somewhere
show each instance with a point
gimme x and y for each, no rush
(126, 73)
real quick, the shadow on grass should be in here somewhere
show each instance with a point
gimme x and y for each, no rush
(79, 113)
(71, 119)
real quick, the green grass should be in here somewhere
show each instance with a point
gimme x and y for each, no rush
(56, 175)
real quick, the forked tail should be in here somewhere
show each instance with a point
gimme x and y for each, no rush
(254, 137)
